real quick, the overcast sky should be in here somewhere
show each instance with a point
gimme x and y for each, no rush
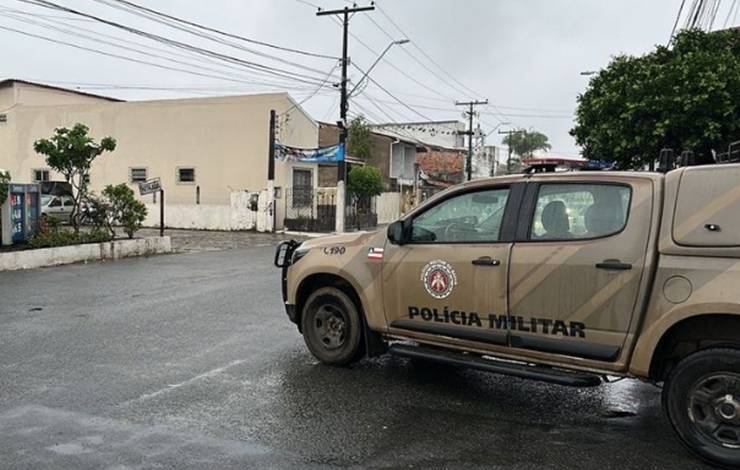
(524, 56)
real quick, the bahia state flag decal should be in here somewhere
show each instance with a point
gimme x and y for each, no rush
(375, 253)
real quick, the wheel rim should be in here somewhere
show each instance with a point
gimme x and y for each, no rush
(330, 326)
(714, 408)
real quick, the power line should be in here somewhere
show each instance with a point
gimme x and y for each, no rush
(248, 64)
(468, 91)
(678, 17)
(733, 7)
(118, 56)
(465, 90)
(98, 40)
(318, 88)
(161, 18)
(226, 34)
(439, 108)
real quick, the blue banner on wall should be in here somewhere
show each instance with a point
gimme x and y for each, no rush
(332, 154)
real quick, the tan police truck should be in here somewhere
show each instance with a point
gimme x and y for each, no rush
(561, 277)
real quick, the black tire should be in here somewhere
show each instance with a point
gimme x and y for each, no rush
(698, 396)
(332, 326)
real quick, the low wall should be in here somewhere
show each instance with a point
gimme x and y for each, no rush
(238, 215)
(29, 259)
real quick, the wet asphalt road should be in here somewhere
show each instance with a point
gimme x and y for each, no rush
(188, 361)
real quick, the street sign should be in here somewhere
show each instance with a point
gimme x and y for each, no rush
(150, 186)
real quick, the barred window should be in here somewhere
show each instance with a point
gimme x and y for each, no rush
(138, 175)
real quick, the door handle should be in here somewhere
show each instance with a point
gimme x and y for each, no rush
(486, 261)
(613, 265)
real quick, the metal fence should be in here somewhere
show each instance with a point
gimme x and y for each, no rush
(310, 209)
(361, 214)
(315, 209)
(732, 155)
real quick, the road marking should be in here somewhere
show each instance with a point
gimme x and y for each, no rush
(204, 375)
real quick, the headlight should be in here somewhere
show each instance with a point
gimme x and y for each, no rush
(299, 253)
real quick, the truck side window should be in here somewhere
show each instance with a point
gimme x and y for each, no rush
(579, 211)
(469, 217)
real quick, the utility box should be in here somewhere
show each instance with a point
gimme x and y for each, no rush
(20, 213)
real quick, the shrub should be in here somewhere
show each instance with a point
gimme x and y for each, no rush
(4, 180)
(60, 237)
(117, 206)
(363, 183)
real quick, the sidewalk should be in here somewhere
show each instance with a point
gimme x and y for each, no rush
(203, 240)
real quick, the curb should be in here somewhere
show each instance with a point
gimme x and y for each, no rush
(30, 259)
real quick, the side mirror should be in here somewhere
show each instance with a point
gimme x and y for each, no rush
(395, 233)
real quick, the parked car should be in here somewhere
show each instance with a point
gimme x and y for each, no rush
(559, 277)
(57, 207)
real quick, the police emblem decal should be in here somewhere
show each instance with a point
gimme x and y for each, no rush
(439, 278)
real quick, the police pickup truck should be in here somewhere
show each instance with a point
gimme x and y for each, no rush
(560, 277)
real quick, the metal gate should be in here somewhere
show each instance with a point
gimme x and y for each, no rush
(310, 209)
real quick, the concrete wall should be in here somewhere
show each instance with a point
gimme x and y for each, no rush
(238, 215)
(388, 207)
(30, 259)
(225, 139)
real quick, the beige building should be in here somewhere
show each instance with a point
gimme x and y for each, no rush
(204, 149)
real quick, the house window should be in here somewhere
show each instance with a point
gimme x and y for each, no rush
(86, 178)
(40, 175)
(138, 175)
(186, 175)
(403, 158)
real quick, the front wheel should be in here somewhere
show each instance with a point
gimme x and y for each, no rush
(702, 400)
(332, 326)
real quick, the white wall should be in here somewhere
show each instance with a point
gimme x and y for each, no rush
(388, 207)
(238, 215)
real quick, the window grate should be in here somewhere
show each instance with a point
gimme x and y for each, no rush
(138, 175)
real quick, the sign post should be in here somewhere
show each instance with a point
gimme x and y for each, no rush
(150, 187)
(161, 212)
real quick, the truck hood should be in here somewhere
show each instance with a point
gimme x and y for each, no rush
(354, 238)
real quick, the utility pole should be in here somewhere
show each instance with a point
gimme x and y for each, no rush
(469, 133)
(343, 107)
(508, 156)
(271, 174)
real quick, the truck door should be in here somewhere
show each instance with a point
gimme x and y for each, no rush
(577, 266)
(451, 273)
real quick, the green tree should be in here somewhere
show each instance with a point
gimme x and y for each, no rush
(71, 152)
(525, 142)
(4, 180)
(117, 206)
(359, 139)
(682, 97)
(363, 182)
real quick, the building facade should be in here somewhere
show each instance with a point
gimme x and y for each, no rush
(202, 149)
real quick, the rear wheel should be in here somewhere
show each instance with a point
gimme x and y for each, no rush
(332, 326)
(702, 400)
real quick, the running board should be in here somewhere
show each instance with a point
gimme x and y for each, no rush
(543, 374)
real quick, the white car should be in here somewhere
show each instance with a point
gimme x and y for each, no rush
(57, 207)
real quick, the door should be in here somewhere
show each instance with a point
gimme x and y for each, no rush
(302, 188)
(68, 205)
(55, 208)
(448, 281)
(577, 266)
